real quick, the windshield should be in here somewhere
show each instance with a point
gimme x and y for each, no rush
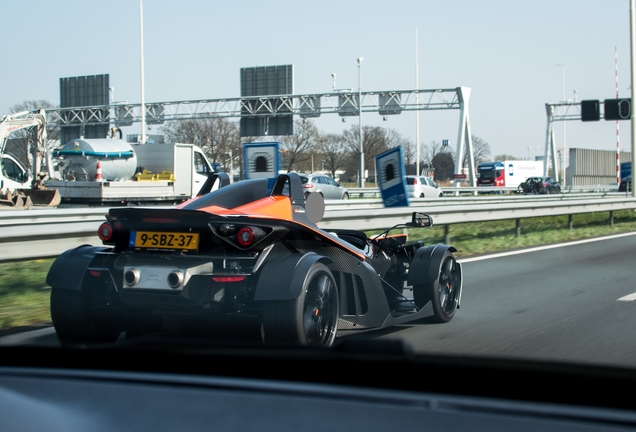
(489, 173)
(126, 249)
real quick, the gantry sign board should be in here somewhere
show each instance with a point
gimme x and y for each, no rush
(84, 91)
(267, 81)
(391, 180)
(261, 160)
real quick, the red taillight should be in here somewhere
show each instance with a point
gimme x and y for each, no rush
(415, 181)
(307, 186)
(245, 236)
(228, 278)
(105, 232)
(95, 273)
(545, 184)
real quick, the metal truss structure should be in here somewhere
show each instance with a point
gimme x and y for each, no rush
(305, 106)
(562, 111)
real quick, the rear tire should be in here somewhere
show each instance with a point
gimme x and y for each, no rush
(310, 319)
(71, 318)
(523, 189)
(443, 292)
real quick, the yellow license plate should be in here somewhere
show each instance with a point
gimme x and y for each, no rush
(164, 240)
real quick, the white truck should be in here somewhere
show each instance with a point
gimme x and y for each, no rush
(94, 171)
(509, 173)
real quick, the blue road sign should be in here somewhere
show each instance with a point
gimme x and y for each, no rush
(261, 160)
(390, 168)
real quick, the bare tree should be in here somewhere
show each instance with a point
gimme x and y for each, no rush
(503, 157)
(297, 148)
(439, 157)
(218, 138)
(333, 153)
(394, 139)
(374, 142)
(432, 149)
(481, 151)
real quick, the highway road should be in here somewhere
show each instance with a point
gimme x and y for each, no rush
(567, 303)
(574, 302)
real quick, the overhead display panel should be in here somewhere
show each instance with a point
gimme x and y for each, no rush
(309, 106)
(123, 115)
(348, 105)
(390, 104)
(154, 113)
(85, 91)
(267, 81)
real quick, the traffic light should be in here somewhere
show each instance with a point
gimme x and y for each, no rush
(618, 109)
(590, 110)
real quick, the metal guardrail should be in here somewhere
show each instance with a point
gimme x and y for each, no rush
(477, 212)
(31, 234)
(463, 190)
(469, 200)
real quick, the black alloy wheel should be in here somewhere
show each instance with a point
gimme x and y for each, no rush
(70, 313)
(443, 292)
(310, 319)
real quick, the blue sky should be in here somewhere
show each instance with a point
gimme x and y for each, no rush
(506, 51)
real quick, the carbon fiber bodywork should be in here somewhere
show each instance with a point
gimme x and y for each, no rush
(241, 263)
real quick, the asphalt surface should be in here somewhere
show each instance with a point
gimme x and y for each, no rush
(559, 304)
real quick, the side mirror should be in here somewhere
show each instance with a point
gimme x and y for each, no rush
(420, 220)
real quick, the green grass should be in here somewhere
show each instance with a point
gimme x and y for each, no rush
(24, 296)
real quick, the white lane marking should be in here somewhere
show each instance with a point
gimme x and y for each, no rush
(630, 297)
(540, 248)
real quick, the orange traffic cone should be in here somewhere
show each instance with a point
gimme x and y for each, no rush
(98, 172)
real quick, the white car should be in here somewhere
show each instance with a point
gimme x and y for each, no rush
(422, 187)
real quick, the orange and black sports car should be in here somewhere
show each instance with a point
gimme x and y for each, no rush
(246, 259)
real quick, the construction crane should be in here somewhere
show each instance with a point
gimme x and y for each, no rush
(25, 187)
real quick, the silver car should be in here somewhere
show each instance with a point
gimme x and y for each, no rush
(422, 187)
(324, 185)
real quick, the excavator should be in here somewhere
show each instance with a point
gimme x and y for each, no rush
(19, 188)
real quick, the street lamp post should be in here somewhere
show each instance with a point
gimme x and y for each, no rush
(361, 182)
(141, 57)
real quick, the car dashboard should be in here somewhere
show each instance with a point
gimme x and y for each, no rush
(196, 390)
